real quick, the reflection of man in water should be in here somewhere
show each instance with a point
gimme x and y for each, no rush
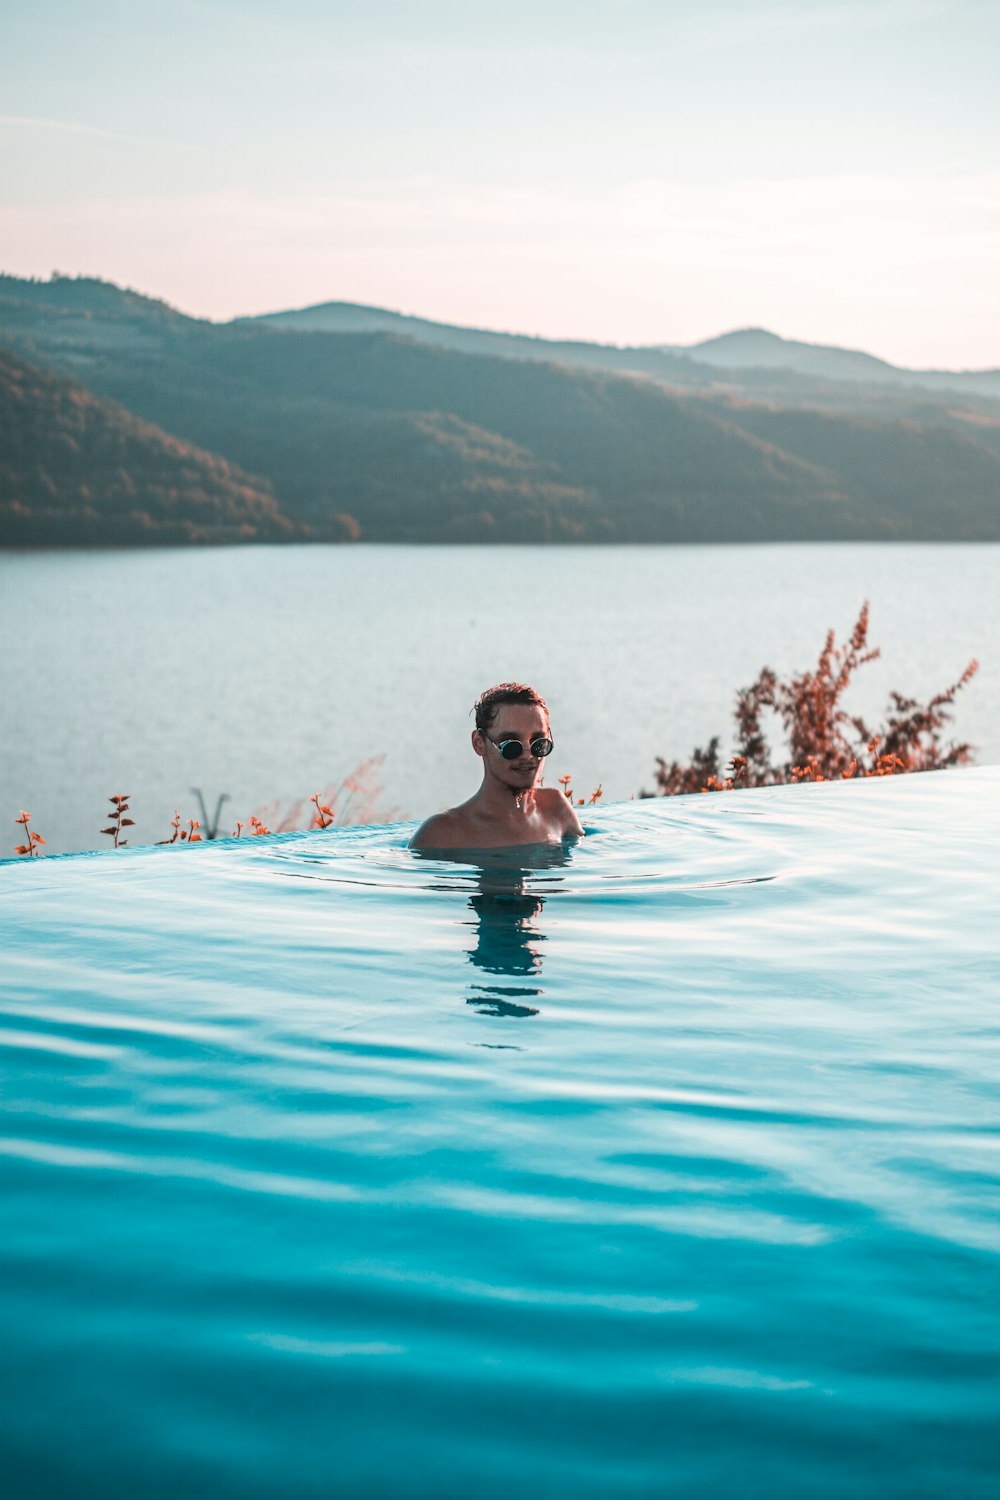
(506, 948)
(511, 738)
(508, 939)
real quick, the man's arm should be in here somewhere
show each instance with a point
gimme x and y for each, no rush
(562, 808)
(573, 824)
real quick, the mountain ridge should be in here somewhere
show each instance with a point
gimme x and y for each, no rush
(739, 348)
(388, 437)
(690, 365)
(760, 348)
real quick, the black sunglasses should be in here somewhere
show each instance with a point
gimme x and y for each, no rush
(540, 746)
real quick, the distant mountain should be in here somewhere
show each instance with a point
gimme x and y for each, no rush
(406, 438)
(694, 366)
(421, 443)
(77, 469)
(352, 317)
(92, 298)
(756, 349)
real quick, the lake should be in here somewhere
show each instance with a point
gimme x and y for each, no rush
(269, 673)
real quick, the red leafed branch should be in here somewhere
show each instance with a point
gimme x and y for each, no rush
(824, 741)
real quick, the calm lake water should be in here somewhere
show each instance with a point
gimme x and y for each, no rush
(270, 673)
(665, 1165)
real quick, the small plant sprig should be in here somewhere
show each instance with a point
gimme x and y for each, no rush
(566, 782)
(119, 807)
(30, 849)
(175, 824)
(258, 828)
(190, 833)
(324, 812)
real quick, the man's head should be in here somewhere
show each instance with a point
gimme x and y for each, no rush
(488, 704)
(511, 712)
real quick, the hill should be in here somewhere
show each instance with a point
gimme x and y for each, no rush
(75, 469)
(751, 360)
(757, 350)
(349, 317)
(92, 298)
(933, 480)
(419, 443)
(394, 438)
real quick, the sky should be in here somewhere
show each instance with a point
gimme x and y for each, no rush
(632, 171)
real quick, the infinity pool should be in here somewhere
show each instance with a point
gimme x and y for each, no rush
(667, 1166)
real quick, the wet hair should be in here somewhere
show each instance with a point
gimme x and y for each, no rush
(489, 702)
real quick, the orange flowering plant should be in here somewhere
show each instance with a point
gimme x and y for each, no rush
(30, 849)
(825, 741)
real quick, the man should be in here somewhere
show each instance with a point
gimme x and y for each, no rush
(512, 739)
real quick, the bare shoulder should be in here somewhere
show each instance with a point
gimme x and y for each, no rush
(444, 830)
(557, 806)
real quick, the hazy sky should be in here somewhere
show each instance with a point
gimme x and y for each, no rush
(632, 170)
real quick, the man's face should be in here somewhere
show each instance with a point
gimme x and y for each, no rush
(513, 721)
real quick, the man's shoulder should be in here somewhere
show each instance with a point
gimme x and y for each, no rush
(555, 804)
(443, 830)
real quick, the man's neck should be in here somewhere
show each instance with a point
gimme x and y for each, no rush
(501, 800)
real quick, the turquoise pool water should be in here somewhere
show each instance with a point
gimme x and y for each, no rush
(667, 1167)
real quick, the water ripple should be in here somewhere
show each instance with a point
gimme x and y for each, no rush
(317, 1155)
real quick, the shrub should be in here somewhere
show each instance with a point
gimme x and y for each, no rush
(824, 741)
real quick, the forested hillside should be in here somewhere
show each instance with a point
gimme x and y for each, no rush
(75, 469)
(394, 439)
